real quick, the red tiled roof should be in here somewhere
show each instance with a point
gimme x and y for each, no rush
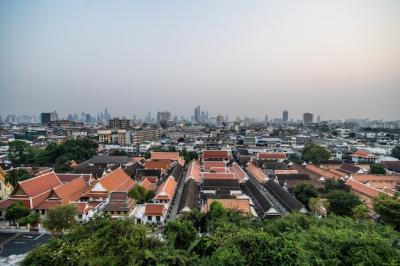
(273, 156)
(166, 190)
(154, 209)
(383, 178)
(5, 203)
(363, 154)
(285, 172)
(39, 184)
(194, 171)
(219, 176)
(173, 156)
(238, 171)
(157, 164)
(207, 165)
(146, 184)
(363, 189)
(257, 173)
(211, 154)
(72, 191)
(322, 172)
(114, 179)
(126, 186)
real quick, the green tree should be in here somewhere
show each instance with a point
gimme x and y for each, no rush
(20, 152)
(396, 152)
(60, 218)
(32, 218)
(140, 194)
(332, 184)
(180, 233)
(377, 169)
(315, 153)
(16, 175)
(388, 209)
(304, 191)
(147, 155)
(217, 210)
(16, 211)
(360, 212)
(342, 202)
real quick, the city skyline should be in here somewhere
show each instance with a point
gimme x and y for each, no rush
(336, 59)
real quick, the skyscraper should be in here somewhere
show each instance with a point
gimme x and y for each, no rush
(197, 114)
(163, 116)
(307, 118)
(285, 116)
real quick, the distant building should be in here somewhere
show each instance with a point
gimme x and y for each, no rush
(48, 117)
(285, 116)
(307, 118)
(197, 114)
(117, 123)
(163, 117)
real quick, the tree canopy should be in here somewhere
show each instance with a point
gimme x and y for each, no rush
(60, 218)
(16, 175)
(16, 211)
(377, 169)
(315, 153)
(226, 238)
(396, 152)
(304, 192)
(20, 152)
(389, 210)
(140, 194)
(342, 202)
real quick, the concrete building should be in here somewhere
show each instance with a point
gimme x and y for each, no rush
(307, 118)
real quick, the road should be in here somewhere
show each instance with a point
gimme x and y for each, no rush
(20, 243)
(173, 210)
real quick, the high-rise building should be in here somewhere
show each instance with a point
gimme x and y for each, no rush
(285, 116)
(117, 123)
(163, 117)
(197, 114)
(266, 119)
(318, 119)
(307, 118)
(48, 117)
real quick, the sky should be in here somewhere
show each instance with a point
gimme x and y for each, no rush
(339, 59)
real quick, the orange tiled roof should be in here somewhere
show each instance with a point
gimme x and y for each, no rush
(114, 179)
(270, 155)
(154, 209)
(126, 186)
(383, 178)
(157, 164)
(166, 190)
(219, 176)
(285, 172)
(363, 154)
(257, 173)
(238, 171)
(146, 184)
(71, 191)
(322, 172)
(173, 156)
(39, 184)
(211, 154)
(207, 165)
(242, 205)
(194, 171)
(390, 191)
(363, 189)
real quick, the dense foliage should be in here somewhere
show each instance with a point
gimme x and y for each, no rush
(389, 210)
(16, 211)
(377, 169)
(315, 153)
(60, 218)
(15, 175)
(189, 155)
(396, 152)
(304, 192)
(54, 155)
(342, 202)
(332, 184)
(140, 194)
(226, 238)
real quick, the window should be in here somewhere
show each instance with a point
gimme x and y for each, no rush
(149, 218)
(79, 216)
(138, 221)
(157, 218)
(1, 213)
(43, 211)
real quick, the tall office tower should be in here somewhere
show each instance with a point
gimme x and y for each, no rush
(197, 114)
(285, 116)
(318, 119)
(48, 117)
(307, 118)
(266, 119)
(163, 117)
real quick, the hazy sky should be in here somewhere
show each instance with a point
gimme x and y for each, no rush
(339, 58)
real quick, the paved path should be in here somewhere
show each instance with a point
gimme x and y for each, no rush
(173, 210)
